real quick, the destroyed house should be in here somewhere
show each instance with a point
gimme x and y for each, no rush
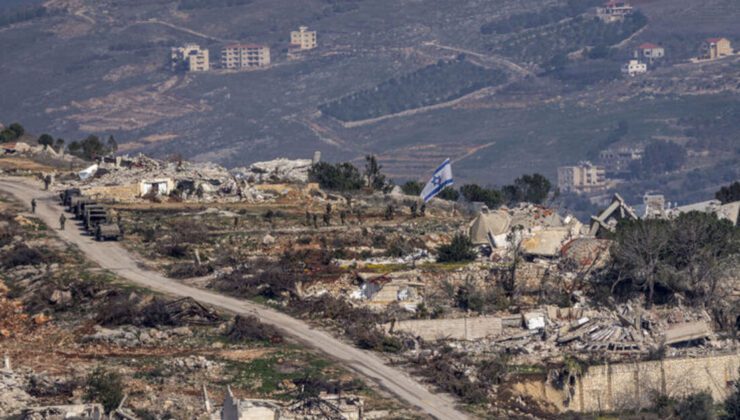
(607, 220)
(541, 230)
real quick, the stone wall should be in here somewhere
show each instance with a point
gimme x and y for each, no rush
(458, 329)
(127, 192)
(622, 386)
(630, 385)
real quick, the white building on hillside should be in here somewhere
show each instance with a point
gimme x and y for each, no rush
(303, 38)
(190, 57)
(634, 67)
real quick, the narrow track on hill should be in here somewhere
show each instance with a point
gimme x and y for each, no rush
(113, 257)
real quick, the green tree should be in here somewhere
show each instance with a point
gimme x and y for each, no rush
(660, 157)
(336, 177)
(527, 188)
(17, 129)
(376, 180)
(449, 194)
(105, 387)
(475, 193)
(90, 148)
(412, 187)
(112, 144)
(459, 249)
(46, 140)
(729, 194)
(638, 253)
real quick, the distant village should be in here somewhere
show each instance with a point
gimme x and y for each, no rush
(648, 53)
(238, 56)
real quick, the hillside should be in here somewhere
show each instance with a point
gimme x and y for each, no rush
(102, 67)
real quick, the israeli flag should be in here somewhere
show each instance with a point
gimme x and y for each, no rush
(441, 178)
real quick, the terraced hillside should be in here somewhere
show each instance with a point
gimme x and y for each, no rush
(102, 67)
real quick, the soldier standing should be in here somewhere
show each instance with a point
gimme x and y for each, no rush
(62, 220)
(33, 205)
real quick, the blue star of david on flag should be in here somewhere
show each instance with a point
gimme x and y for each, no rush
(441, 178)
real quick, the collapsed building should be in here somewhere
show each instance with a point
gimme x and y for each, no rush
(540, 231)
(131, 179)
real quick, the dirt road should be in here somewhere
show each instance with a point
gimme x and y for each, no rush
(113, 257)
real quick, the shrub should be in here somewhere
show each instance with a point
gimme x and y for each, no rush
(695, 407)
(458, 250)
(475, 193)
(22, 254)
(249, 328)
(336, 177)
(105, 387)
(449, 194)
(729, 194)
(412, 187)
(732, 404)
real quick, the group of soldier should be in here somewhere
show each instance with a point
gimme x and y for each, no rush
(62, 218)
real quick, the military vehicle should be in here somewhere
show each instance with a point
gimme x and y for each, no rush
(82, 205)
(66, 196)
(107, 230)
(93, 216)
(75, 202)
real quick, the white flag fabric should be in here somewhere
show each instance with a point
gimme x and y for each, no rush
(441, 178)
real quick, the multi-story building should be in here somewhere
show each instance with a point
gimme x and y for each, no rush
(617, 161)
(243, 56)
(303, 38)
(582, 178)
(634, 67)
(649, 51)
(190, 57)
(614, 11)
(714, 48)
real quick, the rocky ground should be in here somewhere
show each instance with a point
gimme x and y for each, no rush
(62, 319)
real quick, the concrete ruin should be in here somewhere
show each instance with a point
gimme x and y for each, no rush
(631, 386)
(381, 290)
(539, 231)
(72, 411)
(234, 409)
(467, 328)
(607, 220)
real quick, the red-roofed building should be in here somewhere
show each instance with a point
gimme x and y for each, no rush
(241, 56)
(714, 48)
(649, 51)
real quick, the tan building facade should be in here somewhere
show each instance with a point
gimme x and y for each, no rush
(714, 48)
(303, 38)
(243, 56)
(585, 177)
(190, 57)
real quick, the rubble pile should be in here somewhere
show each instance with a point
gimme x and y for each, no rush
(140, 177)
(627, 332)
(13, 397)
(276, 171)
(130, 336)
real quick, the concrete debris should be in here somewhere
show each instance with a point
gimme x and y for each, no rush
(276, 171)
(76, 411)
(607, 220)
(540, 231)
(323, 406)
(131, 179)
(688, 331)
(534, 320)
(129, 336)
(381, 290)
(13, 397)
(189, 311)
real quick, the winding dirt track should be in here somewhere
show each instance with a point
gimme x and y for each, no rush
(113, 257)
